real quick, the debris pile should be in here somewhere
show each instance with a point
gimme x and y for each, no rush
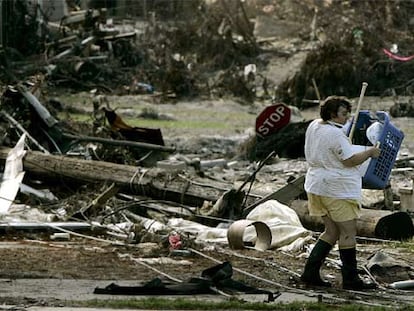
(353, 39)
(88, 50)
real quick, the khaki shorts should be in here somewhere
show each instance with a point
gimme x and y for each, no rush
(338, 210)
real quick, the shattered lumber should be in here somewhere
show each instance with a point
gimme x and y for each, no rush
(154, 183)
(121, 36)
(23, 130)
(80, 17)
(383, 224)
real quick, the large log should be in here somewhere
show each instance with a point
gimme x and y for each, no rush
(154, 183)
(381, 224)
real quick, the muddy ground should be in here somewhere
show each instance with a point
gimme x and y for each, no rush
(60, 274)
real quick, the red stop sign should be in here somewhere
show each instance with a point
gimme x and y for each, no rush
(272, 119)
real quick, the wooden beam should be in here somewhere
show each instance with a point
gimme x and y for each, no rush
(284, 195)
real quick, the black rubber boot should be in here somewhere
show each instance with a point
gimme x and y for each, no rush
(311, 275)
(350, 278)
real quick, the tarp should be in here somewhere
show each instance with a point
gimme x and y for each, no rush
(13, 175)
(283, 222)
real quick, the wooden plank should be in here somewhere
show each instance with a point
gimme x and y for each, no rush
(284, 195)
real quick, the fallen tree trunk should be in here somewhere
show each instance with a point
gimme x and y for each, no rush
(381, 224)
(155, 183)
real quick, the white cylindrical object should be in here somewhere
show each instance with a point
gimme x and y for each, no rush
(403, 284)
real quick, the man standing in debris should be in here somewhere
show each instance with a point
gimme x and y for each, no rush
(333, 185)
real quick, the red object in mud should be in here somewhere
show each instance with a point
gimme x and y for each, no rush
(175, 241)
(272, 119)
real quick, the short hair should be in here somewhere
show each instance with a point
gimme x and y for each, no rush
(331, 104)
